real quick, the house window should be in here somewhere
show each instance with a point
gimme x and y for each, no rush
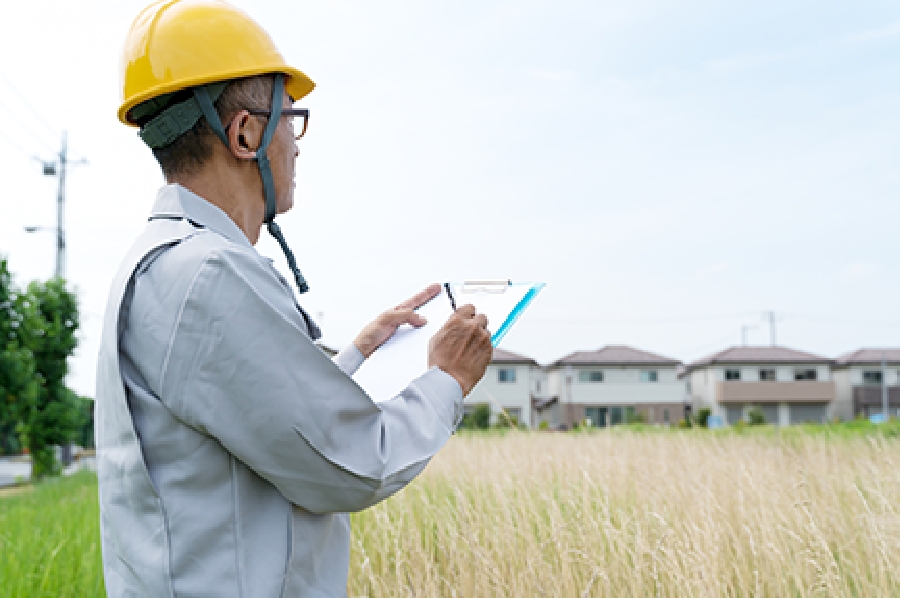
(665, 416)
(590, 376)
(649, 376)
(537, 387)
(872, 377)
(804, 374)
(767, 375)
(597, 416)
(732, 374)
(615, 416)
(506, 375)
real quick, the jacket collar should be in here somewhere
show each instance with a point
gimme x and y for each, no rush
(174, 201)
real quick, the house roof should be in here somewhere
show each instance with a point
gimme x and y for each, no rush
(504, 356)
(760, 355)
(868, 357)
(616, 355)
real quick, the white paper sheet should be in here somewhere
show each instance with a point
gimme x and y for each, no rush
(404, 357)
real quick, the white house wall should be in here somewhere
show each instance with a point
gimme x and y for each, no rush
(845, 378)
(624, 387)
(842, 407)
(620, 386)
(505, 395)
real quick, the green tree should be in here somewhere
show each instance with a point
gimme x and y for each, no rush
(18, 385)
(54, 414)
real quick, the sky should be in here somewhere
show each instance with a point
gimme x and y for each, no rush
(671, 169)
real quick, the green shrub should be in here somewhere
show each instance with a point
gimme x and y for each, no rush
(478, 419)
(702, 417)
(544, 426)
(684, 424)
(506, 421)
(756, 417)
(635, 417)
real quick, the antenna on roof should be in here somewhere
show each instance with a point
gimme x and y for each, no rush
(770, 316)
(744, 329)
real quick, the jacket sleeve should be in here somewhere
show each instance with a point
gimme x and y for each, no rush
(241, 368)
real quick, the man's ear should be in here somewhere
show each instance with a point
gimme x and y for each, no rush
(244, 135)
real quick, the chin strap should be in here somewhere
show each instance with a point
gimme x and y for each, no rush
(262, 161)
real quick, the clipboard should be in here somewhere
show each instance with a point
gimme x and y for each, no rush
(404, 357)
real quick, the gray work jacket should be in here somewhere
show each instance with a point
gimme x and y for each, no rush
(230, 447)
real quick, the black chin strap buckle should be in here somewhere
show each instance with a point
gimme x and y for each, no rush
(275, 231)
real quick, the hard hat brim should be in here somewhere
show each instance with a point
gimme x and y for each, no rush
(297, 85)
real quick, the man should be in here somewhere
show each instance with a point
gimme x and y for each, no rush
(230, 447)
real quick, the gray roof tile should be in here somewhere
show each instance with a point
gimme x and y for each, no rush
(869, 357)
(616, 355)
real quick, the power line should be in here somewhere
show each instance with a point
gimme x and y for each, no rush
(687, 319)
(34, 111)
(22, 124)
(15, 145)
(34, 135)
(842, 321)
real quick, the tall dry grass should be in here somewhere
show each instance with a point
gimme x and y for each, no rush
(620, 514)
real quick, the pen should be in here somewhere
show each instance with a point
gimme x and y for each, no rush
(450, 295)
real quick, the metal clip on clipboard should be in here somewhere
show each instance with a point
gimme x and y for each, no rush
(477, 286)
(485, 286)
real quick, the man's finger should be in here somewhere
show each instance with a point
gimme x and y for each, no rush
(396, 317)
(481, 320)
(421, 298)
(465, 312)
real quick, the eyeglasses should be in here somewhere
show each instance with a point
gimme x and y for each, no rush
(289, 112)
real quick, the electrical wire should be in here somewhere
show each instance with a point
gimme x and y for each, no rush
(830, 320)
(15, 145)
(34, 135)
(31, 108)
(685, 320)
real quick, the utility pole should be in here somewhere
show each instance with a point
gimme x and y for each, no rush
(60, 205)
(884, 388)
(58, 169)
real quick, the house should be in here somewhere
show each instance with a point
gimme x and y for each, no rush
(507, 387)
(861, 377)
(611, 386)
(789, 386)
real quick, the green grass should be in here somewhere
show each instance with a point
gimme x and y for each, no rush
(50, 541)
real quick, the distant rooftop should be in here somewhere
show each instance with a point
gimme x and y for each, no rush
(762, 355)
(616, 355)
(504, 356)
(869, 357)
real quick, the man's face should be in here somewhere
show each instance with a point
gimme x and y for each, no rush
(283, 154)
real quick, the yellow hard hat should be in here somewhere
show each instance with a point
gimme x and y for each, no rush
(176, 44)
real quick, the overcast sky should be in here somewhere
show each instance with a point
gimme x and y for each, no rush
(671, 169)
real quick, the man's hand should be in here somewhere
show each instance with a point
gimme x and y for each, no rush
(462, 347)
(375, 334)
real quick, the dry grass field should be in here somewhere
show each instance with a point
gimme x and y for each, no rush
(621, 514)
